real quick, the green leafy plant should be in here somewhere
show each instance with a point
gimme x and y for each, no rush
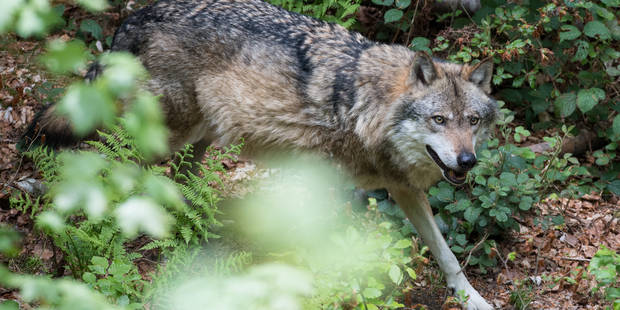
(521, 296)
(605, 267)
(336, 11)
(507, 180)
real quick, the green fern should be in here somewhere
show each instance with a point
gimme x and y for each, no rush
(185, 263)
(45, 161)
(25, 204)
(117, 144)
(83, 238)
(335, 11)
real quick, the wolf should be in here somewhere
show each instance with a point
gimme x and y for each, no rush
(392, 118)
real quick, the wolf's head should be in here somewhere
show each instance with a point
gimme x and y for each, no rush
(441, 115)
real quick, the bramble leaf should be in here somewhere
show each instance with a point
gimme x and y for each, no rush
(392, 15)
(596, 28)
(570, 33)
(588, 98)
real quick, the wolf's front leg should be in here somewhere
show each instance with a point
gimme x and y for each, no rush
(416, 207)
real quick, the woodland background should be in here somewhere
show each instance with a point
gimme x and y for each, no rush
(535, 227)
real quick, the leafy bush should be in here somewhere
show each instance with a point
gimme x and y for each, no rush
(555, 64)
(605, 266)
(335, 11)
(507, 180)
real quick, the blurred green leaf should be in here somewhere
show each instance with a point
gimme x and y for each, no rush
(87, 107)
(63, 57)
(616, 125)
(51, 220)
(566, 104)
(392, 15)
(163, 190)
(144, 122)
(595, 29)
(403, 4)
(89, 278)
(92, 27)
(588, 98)
(8, 241)
(421, 44)
(525, 203)
(142, 214)
(122, 72)
(10, 8)
(396, 275)
(383, 2)
(371, 292)
(9, 305)
(569, 33)
(29, 23)
(93, 5)
(614, 187)
(411, 273)
(402, 244)
(471, 214)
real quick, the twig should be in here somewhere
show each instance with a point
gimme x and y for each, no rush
(536, 261)
(465, 10)
(411, 27)
(577, 259)
(504, 261)
(486, 235)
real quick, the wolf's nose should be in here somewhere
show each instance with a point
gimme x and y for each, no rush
(466, 160)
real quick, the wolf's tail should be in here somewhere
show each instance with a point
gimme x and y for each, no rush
(52, 129)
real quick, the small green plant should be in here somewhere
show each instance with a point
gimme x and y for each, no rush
(195, 219)
(334, 11)
(119, 281)
(605, 267)
(521, 296)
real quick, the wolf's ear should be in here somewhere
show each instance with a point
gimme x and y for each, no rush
(481, 74)
(423, 68)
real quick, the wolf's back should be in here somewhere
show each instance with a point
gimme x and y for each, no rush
(181, 41)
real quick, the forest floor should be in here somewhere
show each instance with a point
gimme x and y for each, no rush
(549, 272)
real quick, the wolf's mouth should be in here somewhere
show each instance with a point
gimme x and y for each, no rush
(452, 176)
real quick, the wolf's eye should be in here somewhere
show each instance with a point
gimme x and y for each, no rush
(439, 119)
(474, 120)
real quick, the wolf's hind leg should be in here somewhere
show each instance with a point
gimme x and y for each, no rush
(415, 205)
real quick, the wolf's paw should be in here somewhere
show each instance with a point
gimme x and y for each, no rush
(462, 288)
(476, 302)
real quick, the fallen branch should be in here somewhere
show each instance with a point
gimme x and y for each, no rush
(583, 142)
(577, 259)
(486, 235)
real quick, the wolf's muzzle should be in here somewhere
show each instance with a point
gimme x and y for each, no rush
(466, 160)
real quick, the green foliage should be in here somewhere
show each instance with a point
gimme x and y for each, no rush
(195, 218)
(557, 58)
(521, 296)
(62, 294)
(115, 197)
(118, 281)
(605, 266)
(384, 265)
(336, 11)
(506, 181)
(185, 264)
(63, 57)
